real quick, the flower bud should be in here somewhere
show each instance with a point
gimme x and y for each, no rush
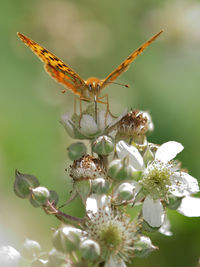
(76, 150)
(143, 247)
(31, 249)
(120, 169)
(56, 258)
(126, 191)
(66, 239)
(39, 196)
(103, 145)
(23, 183)
(39, 263)
(174, 202)
(90, 250)
(100, 186)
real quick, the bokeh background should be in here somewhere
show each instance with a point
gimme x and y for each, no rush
(94, 37)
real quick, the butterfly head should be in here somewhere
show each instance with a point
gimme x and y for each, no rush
(94, 86)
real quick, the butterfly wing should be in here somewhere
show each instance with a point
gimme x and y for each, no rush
(125, 64)
(56, 68)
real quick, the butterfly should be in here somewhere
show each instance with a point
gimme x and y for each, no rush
(87, 90)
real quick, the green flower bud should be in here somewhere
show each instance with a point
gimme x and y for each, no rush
(83, 188)
(56, 258)
(103, 145)
(66, 239)
(23, 183)
(126, 191)
(143, 247)
(30, 249)
(90, 250)
(120, 169)
(39, 263)
(54, 198)
(39, 196)
(100, 186)
(76, 150)
(174, 202)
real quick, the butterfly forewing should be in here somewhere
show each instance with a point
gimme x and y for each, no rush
(56, 68)
(125, 64)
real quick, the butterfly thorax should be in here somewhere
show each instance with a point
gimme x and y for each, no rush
(93, 88)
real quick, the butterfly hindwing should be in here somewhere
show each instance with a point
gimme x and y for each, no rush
(56, 68)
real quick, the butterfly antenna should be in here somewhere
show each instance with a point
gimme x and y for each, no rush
(122, 84)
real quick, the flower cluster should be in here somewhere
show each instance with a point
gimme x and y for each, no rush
(124, 174)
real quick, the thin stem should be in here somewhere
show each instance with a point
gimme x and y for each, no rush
(51, 209)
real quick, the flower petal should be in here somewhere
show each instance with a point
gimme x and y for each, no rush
(115, 261)
(9, 256)
(168, 151)
(103, 119)
(183, 184)
(88, 125)
(96, 202)
(153, 212)
(165, 228)
(190, 207)
(135, 159)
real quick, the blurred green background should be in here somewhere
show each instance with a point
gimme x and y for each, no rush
(94, 37)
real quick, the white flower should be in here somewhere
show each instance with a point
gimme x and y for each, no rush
(111, 229)
(160, 178)
(85, 126)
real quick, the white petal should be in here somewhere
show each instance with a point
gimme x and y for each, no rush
(115, 261)
(96, 202)
(190, 207)
(153, 212)
(88, 125)
(135, 159)
(67, 123)
(165, 228)
(103, 119)
(183, 184)
(9, 257)
(168, 151)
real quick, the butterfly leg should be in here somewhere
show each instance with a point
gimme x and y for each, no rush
(107, 105)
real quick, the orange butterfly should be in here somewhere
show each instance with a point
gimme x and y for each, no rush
(90, 89)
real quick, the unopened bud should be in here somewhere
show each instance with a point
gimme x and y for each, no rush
(103, 145)
(56, 258)
(23, 184)
(126, 191)
(39, 196)
(143, 247)
(120, 169)
(76, 150)
(90, 250)
(66, 239)
(100, 186)
(31, 249)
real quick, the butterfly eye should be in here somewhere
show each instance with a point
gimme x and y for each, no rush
(98, 87)
(90, 87)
